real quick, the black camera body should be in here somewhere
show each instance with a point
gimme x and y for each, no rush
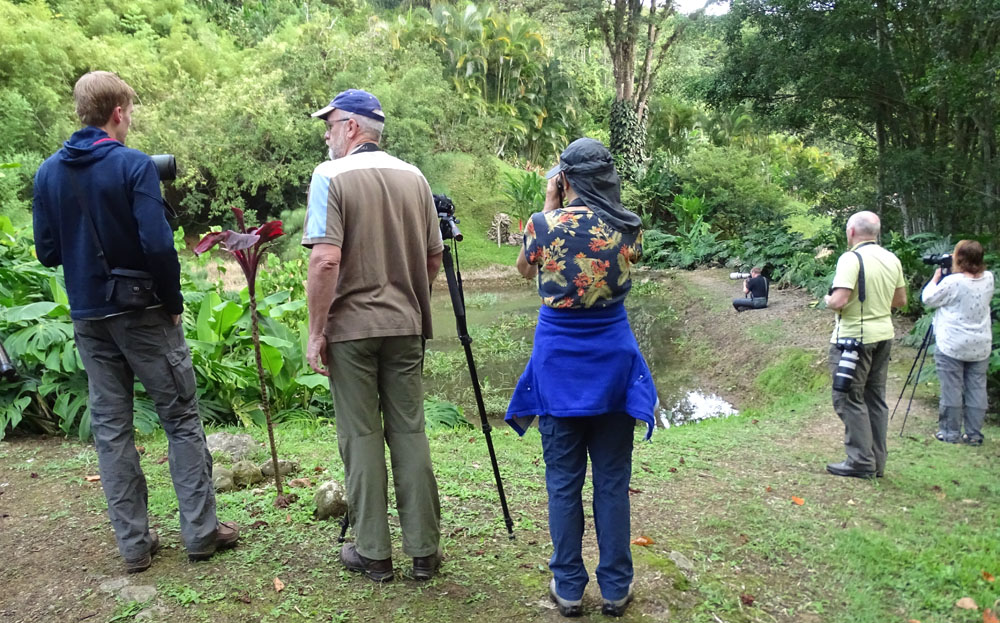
(446, 215)
(850, 354)
(938, 259)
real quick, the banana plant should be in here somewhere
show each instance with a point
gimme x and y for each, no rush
(248, 246)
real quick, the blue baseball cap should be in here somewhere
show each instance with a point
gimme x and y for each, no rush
(354, 101)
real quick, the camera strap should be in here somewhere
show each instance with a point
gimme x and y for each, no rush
(862, 295)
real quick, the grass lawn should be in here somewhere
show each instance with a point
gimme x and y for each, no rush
(745, 500)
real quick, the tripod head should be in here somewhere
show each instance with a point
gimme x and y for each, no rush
(446, 215)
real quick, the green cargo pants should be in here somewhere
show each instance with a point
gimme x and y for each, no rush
(383, 374)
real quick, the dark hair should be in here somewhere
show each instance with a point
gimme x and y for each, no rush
(969, 257)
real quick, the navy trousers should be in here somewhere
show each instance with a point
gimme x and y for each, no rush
(566, 442)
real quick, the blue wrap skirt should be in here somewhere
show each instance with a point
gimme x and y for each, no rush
(584, 362)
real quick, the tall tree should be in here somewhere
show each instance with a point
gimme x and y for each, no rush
(632, 29)
(914, 83)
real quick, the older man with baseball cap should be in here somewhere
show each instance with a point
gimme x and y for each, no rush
(376, 248)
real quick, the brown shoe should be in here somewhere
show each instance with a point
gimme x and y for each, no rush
(375, 570)
(424, 567)
(226, 535)
(141, 564)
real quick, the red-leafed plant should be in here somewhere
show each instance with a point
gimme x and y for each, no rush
(248, 246)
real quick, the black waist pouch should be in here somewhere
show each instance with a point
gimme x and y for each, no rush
(131, 289)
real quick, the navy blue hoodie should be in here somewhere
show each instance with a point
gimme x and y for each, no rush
(123, 190)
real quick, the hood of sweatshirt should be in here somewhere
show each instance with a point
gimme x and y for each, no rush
(86, 146)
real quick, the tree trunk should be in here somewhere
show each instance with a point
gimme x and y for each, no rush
(628, 139)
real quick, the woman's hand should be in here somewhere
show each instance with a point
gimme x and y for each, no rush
(937, 275)
(553, 194)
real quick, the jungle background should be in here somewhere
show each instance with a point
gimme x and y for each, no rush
(743, 138)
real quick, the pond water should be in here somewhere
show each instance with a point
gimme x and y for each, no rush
(502, 324)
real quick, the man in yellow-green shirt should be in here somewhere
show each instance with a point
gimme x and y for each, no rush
(864, 323)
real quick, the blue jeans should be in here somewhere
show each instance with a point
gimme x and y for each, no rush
(566, 441)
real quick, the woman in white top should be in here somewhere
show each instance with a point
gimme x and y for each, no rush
(963, 340)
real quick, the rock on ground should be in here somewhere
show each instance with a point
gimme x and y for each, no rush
(222, 478)
(142, 594)
(331, 500)
(236, 446)
(284, 467)
(246, 474)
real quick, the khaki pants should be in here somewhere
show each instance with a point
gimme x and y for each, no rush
(862, 409)
(383, 374)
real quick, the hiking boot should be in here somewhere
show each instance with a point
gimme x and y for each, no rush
(141, 564)
(940, 436)
(972, 442)
(617, 607)
(567, 607)
(226, 535)
(374, 570)
(424, 567)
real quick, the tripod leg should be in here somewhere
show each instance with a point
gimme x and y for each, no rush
(916, 380)
(923, 349)
(458, 303)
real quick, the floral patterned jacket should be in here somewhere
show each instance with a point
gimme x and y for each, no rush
(582, 262)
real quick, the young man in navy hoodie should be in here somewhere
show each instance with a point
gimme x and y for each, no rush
(97, 197)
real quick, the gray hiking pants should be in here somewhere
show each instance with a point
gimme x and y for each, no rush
(146, 345)
(384, 374)
(862, 409)
(963, 397)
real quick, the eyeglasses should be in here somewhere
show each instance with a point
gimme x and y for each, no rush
(332, 121)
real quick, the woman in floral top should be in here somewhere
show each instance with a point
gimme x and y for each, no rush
(586, 381)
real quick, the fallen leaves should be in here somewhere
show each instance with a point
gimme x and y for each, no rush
(278, 585)
(989, 617)
(163, 459)
(798, 501)
(988, 576)
(300, 482)
(34, 474)
(632, 491)
(643, 541)
(244, 596)
(747, 599)
(966, 603)
(92, 478)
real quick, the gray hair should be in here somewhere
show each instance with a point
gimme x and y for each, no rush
(866, 224)
(370, 128)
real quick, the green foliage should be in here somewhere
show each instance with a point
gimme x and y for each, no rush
(526, 191)
(443, 414)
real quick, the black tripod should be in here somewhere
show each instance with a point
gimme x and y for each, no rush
(922, 357)
(450, 231)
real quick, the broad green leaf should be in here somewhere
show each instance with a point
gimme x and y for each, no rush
(271, 358)
(225, 316)
(204, 324)
(34, 311)
(312, 381)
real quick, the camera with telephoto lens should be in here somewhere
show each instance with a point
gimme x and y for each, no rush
(938, 259)
(166, 168)
(446, 215)
(739, 275)
(850, 354)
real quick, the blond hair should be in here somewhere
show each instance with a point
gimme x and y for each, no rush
(97, 94)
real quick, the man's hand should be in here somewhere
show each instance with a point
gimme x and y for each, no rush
(316, 354)
(175, 318)
(553, 198)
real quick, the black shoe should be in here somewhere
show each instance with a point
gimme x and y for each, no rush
(617, 608)
(424, 567)
(141, 564)
(846, 469)
(971, 442)
(374, 570)
(567, 608)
